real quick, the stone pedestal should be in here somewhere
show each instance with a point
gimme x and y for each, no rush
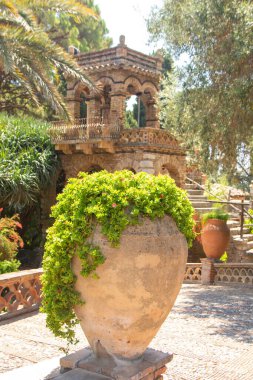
(208, 271)
(84, 365)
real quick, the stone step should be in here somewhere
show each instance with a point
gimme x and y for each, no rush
(202, 210)
(190, 186)
(200, 204)
(198, 198)
(233, 223)
(236, 230)
(195, 192)
(248, 237)
(250, 245)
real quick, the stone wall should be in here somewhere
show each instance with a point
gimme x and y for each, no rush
(153, 163)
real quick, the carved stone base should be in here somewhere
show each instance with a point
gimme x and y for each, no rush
(83, 364)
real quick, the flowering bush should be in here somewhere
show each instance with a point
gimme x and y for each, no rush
(10, 241)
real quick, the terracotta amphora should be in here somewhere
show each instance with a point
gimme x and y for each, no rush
(136, 289)
(215, 236)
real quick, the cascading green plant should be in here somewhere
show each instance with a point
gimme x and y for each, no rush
(114, 200)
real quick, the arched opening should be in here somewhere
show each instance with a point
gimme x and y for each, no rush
(130, 169)
(94, 169)
(61, 182)
(83, 106)
(171, 172)
(135, 116)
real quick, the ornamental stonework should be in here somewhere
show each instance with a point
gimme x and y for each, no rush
(97, 138)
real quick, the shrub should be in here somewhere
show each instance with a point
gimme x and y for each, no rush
(214, 214)
(114, 200)
(8, 266)
(27, 161)
(10, 241)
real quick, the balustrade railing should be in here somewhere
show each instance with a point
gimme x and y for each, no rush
(241, 273)
(193, 272)
(83, 130)
(236, 273)
(20, 292)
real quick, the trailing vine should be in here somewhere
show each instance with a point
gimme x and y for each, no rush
(114, 200)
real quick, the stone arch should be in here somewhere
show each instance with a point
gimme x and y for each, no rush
(133, 82)
(81, 96)
(60, 181)
(94, 169)
(105, 80)
(129, 164)
(130, 169)
(171, 171)
(149, 87)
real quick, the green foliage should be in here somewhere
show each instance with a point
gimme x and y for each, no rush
(214, 214)
(10, 241)
(88, 35)
(224, 257)
(27, 161)
(210, 105)
(8, 266)
(130, 121)
(29, 58)
(113, 200)
(249, 221)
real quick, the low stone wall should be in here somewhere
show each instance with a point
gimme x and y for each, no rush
(236, 273)
(20, 292)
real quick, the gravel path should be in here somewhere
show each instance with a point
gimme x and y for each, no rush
(210, 332)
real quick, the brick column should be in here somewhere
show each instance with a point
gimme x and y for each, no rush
(152, 120)
(93, 109)
(117, 111)
(208, 271)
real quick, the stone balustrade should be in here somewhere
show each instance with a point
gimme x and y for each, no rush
(236, 273)
(20, 292)
(193, 272)
(241, 273)
(83, 131)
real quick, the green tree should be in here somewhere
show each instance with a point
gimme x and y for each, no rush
(211, 105)
(90, 34)
(28, 56)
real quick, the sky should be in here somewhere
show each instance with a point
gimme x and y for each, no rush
(127, 17)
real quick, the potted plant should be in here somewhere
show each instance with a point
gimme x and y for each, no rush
(215, 233)
(115, 259)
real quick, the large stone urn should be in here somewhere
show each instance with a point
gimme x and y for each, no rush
(136, 289)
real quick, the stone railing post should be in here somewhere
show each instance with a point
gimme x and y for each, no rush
(239, 250)
(208, 271)
(251, 194)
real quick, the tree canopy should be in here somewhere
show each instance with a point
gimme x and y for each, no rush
(88, 35)
(30, 59)
(211, 104)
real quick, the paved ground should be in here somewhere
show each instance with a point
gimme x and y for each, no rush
(210, 331)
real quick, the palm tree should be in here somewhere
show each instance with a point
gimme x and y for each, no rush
(29, 56)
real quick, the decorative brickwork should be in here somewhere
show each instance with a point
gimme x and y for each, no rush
(98, 139)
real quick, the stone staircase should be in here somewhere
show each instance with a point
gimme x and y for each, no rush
(240, 250)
